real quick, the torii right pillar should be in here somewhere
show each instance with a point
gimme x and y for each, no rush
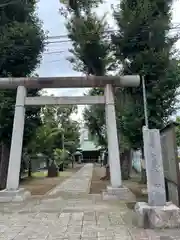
(113, 145)
(116, 190)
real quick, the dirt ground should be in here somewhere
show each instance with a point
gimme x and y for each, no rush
(41, 185)
(137, 188)
(97, 185)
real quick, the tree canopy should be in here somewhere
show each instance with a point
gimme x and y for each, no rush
(140, 45)
(90, 54)
(59, 130)
(21, 45)
(143, 45)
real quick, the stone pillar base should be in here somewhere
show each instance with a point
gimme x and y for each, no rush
(14, 196)
(167, 216)
(121, 193)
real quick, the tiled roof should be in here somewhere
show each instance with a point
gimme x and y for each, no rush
(89, 146)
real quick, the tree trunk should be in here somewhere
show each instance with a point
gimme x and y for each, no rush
(29, 169)
(126, 163)
(72, 163)
(4, 163)
(107, 175)
(53, 170)
(106, 164)
(47, 162)
(107, 172)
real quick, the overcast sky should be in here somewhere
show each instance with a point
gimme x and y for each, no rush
(54, 61)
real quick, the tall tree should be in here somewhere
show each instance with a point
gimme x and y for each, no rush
(21, 45)
(94, 117)
(143, 45)
(91, 52)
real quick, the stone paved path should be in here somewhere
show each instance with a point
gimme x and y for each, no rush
(75, 216)
(75, 184)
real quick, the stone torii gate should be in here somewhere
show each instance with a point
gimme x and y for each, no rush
(12, 191)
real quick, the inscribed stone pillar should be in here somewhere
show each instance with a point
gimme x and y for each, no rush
(113, 146)
(16, 141)
(154, 167)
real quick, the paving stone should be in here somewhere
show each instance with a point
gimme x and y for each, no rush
(74, 217)
(137, 233)
(76, 229)
(116, 221)
(89, 234)
(89, 216)
(75, 223)
(75, 184)
(119, 237)
(105, 233)
(105, 238)
(87, 238)
(165, 238)
(89, 223)
(77, 216)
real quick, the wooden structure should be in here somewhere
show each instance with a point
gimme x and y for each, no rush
(171, 163)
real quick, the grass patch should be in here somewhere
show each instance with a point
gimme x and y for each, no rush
(39, 174)
(44, 174)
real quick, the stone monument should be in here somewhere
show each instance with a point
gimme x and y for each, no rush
(156, 213)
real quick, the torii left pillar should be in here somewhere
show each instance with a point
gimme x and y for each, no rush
(12, 191)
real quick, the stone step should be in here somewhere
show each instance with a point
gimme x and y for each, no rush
(122, 193)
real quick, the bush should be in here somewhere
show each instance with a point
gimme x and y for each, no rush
(61, 158)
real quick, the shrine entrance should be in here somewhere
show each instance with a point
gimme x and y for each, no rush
(109, 83)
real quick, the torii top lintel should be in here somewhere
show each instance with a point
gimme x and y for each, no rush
(70, 82)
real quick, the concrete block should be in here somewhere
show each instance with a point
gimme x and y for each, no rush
(167, 216)
(19, 195)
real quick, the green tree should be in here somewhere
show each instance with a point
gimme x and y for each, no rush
(21, 45)
(58, 131)
(94, 117)
(91, 53)
(60, 117)
(143, 45)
